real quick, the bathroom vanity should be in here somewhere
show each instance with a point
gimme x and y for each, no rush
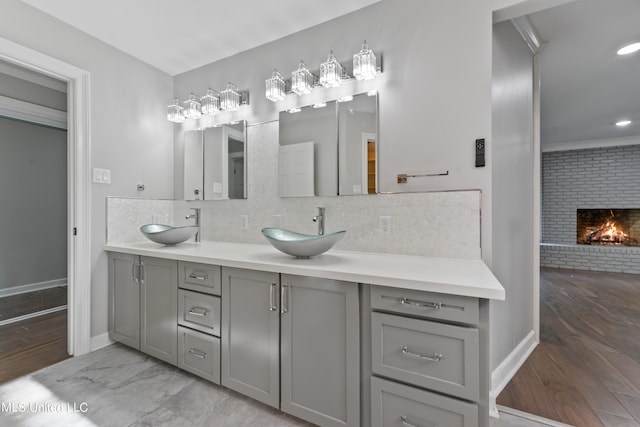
(342, 339)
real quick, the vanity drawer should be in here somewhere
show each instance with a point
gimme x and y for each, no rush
(199, 311)
(427, 354)
(199, 354)
(199, 277)
(397, 405)
(432, 305)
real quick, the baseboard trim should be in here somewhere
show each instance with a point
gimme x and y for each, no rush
(508, 368)
(531, 417)
(15, 290)
(100, 341)
(32, 315)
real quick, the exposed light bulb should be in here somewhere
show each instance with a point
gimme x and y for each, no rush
(274, 87)
(623, 123)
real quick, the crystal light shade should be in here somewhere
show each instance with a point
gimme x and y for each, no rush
(174, 112)
(331, 72)
(275, 87)
(364, 63)
(230, 98)
(210, 103)
(192, 108)
(302, 80)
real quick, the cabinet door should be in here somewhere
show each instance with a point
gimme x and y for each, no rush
(320, 350)
(159, 309)
(124, 299)
(250, 334)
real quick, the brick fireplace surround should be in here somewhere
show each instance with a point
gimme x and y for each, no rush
(594, 178)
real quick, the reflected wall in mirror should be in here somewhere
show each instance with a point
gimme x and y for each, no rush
(308, 158)
(215, 163)
(331, 150)
(357, 139)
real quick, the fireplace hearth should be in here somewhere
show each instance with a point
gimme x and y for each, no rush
(608, 227)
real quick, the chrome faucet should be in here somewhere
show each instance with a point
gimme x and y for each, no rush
(195, 215)
(320, 220)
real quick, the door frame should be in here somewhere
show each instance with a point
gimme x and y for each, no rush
(78, 185)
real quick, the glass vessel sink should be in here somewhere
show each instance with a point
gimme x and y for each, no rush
(168, 235)
(301, 245)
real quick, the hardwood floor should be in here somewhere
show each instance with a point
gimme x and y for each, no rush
(32, 344)
(586, 370)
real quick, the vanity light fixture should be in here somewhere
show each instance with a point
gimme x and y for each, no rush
(302, 80)
(331, 72)
(230, 98)
(175, 112)
(364, 63)
(628, 49)
(192, 108)
(275, 87)
(623, 123)
(210, 103)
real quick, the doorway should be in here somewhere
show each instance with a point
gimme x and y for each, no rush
(78, 185)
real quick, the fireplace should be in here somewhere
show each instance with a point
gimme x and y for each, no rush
(608, 227)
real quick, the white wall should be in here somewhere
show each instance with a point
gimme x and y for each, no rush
(129, 131)
(512, 182)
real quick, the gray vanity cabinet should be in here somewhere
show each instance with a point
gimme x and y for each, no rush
(251, 334)
(320, 350)
(143, 304)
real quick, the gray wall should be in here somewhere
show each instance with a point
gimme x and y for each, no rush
(595, 178)
(512, 183)
(129, 131)
(33, 213)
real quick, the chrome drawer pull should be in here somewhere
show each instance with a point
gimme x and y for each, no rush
(433, 305)
(198, 277)
(198, 353)
(405, 422)
(434, 358)
(272, 293)
(198, 311)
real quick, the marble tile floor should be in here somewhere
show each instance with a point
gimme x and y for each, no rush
(117, 386)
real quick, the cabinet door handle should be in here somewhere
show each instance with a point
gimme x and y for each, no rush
(272, 297)
(436, 357)
(198, 276)
(198, 311)
(134, 269)
(141, 273)
(428, 304)
(284, 306)
(405, 422)
(198, 353)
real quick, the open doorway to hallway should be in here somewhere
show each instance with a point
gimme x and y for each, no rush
(33, 221)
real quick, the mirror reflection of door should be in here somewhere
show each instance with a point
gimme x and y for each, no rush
(236, 169)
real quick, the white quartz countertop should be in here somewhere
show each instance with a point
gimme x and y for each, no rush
(443, 275)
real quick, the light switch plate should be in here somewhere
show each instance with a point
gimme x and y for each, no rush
(101, 176)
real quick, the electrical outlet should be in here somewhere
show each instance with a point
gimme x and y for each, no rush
(385, 224)
(244, 221)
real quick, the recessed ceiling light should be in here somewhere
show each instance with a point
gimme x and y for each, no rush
(622, 123)
(630, 48)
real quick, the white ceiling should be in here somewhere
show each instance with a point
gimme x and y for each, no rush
(180, 35)
(586, 86)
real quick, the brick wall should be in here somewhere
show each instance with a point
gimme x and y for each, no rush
(593, 178)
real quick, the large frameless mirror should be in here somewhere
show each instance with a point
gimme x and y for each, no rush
(329, 149)
(215, 163)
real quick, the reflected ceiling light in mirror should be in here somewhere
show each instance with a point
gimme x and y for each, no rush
(623, 123)
(302, 80)
(294, 110)
(175, 112)
(192, 108)
(372, 93)
(346, 98)
(230, 98)
(320, 105)
(628, 49)
(210, 103)
(275, 87)
(364, 63)
(331, 72)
